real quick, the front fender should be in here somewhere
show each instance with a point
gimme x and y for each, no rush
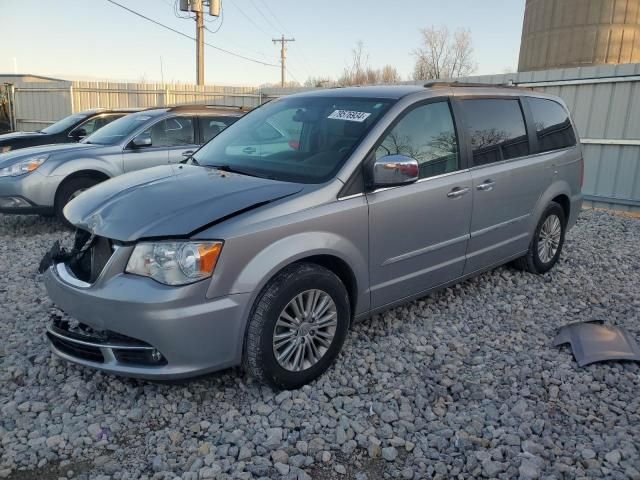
(276, 256)
(264, 265)
(96, 164)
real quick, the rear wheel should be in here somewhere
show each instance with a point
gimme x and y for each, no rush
(69, 190)
(547, 242)
(297, 326)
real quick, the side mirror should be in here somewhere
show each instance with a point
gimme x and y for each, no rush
(394, 170)
(142, 140)
(79, 133)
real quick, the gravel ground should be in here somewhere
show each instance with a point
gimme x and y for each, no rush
(461, 384)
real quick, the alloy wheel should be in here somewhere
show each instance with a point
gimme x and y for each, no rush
(549, 238)
(305, 330)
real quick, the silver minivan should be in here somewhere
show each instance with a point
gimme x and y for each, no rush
(310, 213)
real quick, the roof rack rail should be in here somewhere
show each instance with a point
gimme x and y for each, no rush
(209, 107)
(442, 84)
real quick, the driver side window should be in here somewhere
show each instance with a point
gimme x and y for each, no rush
(426, 134)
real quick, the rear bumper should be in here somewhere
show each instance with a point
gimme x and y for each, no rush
(194, 335)
(574, 210)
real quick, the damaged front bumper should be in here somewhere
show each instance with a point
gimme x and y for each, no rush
(141, 328)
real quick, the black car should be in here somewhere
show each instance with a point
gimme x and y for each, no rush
(70, 129)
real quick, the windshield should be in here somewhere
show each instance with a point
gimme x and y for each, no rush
(117, 130)
(62, 125)
(296, 139)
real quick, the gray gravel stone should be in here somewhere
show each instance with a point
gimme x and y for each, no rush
(461, 384)
(389, 454)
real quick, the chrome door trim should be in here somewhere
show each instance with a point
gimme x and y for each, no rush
(436, 177)
(478, 233)
(421, 251)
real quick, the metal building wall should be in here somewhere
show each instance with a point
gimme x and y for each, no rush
(572, 33)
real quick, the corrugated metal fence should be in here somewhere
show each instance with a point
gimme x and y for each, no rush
(604, 101)
(38, 104)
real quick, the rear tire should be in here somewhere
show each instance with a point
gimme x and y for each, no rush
(68, 191)
(546, 245)
(314, 337)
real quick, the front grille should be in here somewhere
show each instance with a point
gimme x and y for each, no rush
(74, 330)
(85, 352)
(88, 265)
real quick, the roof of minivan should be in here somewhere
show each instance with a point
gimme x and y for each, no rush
(398, 91)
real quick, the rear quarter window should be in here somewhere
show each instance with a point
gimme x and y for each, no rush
(552, 123)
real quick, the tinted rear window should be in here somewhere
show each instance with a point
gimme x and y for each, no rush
(553, 126)
(497, 129)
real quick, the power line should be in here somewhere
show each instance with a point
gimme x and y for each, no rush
(268, 8)
(190, 37)
(250, 19)
(264, 16)
(297, 50)
(292, 75)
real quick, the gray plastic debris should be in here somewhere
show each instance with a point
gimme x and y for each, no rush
(594, 342)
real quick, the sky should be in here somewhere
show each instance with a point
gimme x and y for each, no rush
(96, 40)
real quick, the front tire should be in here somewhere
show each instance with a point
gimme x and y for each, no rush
(68, 191)
(297, 326)
(547, 242)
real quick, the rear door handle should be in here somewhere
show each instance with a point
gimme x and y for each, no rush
(249, 150)
(486, 186)
(458, 192)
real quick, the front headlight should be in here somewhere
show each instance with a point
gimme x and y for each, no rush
(24, 166)
(175, 263)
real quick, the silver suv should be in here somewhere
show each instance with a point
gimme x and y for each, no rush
(44, 179)
(310, 213)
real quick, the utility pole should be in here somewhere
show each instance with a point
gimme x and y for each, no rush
(197, 7)
(199, 42)
(283, 55)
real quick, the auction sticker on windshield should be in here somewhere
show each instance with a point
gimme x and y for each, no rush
(349, 115)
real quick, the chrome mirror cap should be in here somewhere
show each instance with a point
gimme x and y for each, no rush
(394, 170)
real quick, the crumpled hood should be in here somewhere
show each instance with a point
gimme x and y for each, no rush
(14, 156)
(169, 201)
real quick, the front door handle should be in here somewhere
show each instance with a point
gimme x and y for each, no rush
(486, 186)
(249, 150)
(458, 192)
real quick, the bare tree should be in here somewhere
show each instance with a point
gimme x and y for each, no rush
(359, 72)
(319, 82)
(443, 55)
(389, 74)
(356, 73)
